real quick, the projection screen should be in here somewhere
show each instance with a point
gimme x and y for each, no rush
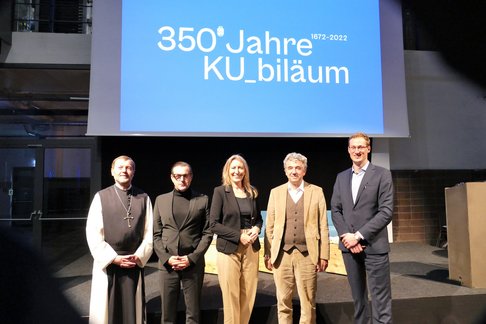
(249, 68)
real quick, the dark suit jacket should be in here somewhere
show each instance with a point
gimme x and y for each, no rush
(225, 219)
(372, 211)
(192, 238)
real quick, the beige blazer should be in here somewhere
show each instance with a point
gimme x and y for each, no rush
(315, 222)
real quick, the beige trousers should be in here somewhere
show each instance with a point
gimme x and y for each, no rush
(295, 270)
(238, 279)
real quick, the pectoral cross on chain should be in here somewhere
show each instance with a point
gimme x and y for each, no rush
(128, 218)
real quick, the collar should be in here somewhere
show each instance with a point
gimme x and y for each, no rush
(299, 188)
(121, 189)
(363, 169)
(186, 194)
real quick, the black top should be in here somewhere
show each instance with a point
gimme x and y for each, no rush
(245, 212)
(180, 206)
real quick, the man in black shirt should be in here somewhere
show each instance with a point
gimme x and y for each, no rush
(181, 238)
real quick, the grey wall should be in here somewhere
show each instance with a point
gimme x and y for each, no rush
(47, 48)
(447, 117)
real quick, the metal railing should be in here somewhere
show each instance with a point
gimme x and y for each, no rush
(53, 16)
(36, 215)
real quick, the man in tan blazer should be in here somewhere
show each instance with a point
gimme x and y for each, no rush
(296, 240)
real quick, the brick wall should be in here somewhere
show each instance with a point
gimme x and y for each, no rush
(420, 201)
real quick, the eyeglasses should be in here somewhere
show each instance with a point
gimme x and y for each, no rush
(180, 177)
(359, 148)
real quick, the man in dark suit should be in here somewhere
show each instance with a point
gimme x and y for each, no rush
(362, 207)
(181, 238)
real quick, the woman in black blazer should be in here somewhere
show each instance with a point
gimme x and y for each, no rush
(236, 219)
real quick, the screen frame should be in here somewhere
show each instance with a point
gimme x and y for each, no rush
(104, 103)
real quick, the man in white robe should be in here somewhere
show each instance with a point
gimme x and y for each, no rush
(119, 234)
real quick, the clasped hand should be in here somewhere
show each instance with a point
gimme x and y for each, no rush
(126, 261)
(179, 262)
(351, 243)
(249, 237)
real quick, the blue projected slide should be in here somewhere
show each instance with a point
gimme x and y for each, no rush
(256, 68)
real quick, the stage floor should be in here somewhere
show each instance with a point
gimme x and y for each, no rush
(419, 275)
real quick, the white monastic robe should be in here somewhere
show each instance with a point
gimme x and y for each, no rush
(103, 253)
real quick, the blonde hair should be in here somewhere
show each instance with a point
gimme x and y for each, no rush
(226, 178)
(360, 135)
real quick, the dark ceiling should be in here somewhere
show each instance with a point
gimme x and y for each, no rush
(43, 101)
